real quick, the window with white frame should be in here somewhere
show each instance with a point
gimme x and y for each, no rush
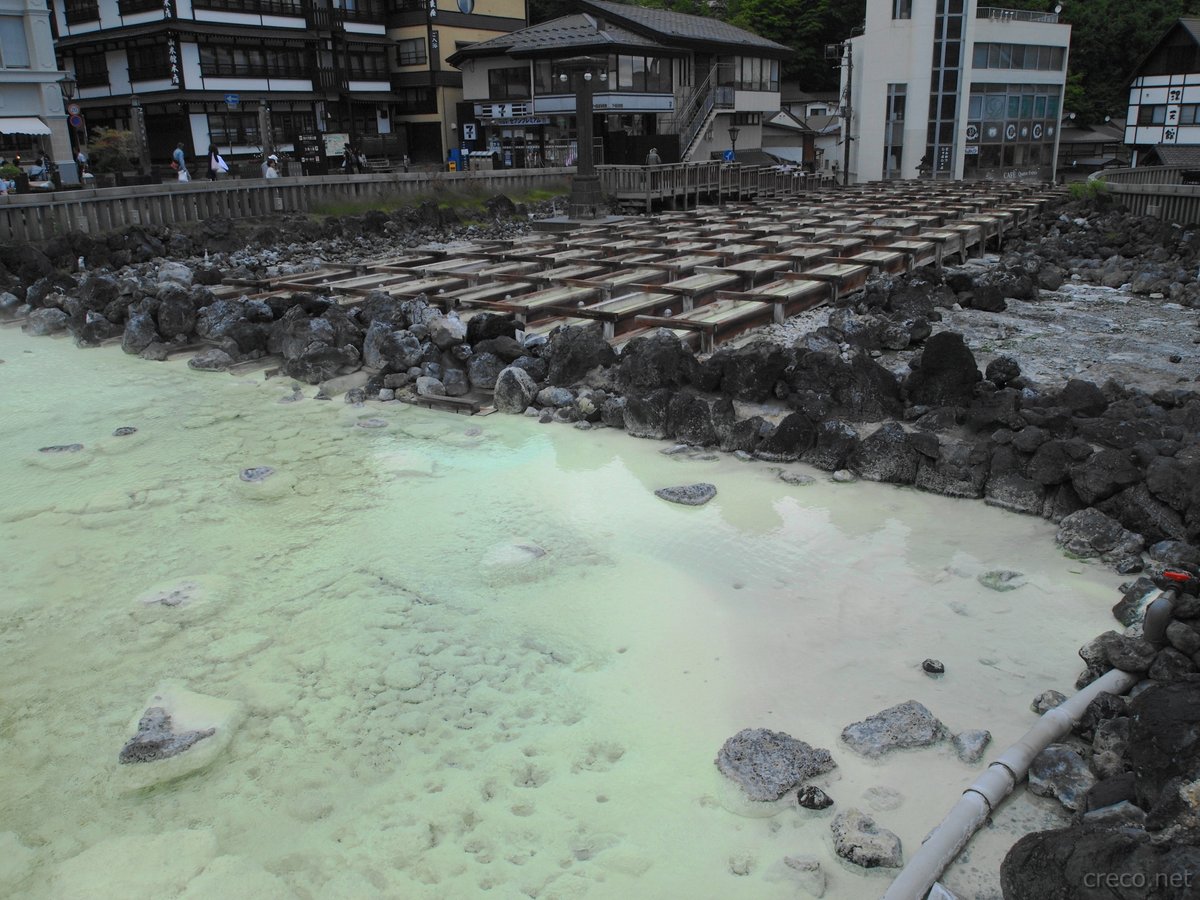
(14, 49)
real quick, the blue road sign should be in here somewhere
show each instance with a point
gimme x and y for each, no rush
(232, 100)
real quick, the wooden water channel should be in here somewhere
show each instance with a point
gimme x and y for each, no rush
(707, 277)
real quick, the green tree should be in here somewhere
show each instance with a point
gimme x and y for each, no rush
(111, 150)
(806, 26)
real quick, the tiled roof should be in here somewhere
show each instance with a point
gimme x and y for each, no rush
(670, 27)
(605, 26)
(1178, 155)
(577, 32)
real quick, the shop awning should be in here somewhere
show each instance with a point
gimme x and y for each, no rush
(23, 125)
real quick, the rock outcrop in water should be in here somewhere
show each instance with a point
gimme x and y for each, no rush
(155, 739)
(767, 764)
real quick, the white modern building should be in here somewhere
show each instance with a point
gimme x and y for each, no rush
(954, 90)
(32, 116)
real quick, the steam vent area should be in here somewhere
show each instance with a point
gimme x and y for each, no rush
(708, 275)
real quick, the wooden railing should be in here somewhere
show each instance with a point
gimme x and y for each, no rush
(39, 217)
(690, 184)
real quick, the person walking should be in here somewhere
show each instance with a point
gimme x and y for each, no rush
(349, 160)
(652, 158)
(179, 163)
(214, 162)
(272, 170)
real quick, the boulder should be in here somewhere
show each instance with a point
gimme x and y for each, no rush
(959, 469)
(485, 326)
(573, 351)
(175, 273)
(140, 333)
(688, 494)
(886, 455)
(319, 361)
(947, 374)
(790, 438)
(812, 797)
(214, 359)
(1104, 473)
(514, 390)
(1089, 533)
(647, 415)
(483, 369)
(1060, 772)
(176, 315)
(970, 745)
(41, 322)
(1096, 862)
(767, 764)
(91, 329)
(857, 838)
(701, 421)
(1164, 737)
(446, 331)
(97, 291)
(430, 387)
(905, 725)
(1054, 460)
(555, 397)
(176, 733)
(835, 443)
(825, 385)
(748, 373)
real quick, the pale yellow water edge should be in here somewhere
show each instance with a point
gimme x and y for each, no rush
(432, 709)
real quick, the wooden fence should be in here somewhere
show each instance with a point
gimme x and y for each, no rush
(38, 217)
(1157, 191)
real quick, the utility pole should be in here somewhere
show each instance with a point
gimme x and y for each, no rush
(848, 113)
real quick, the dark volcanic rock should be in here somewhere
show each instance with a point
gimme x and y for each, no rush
(45, 321)
(899, 727)
(768, 764)
(688, 494)
(698, 420)
(1093, 862)
(1060, 772)
(574, 351)
(947, 375)
(836, 441)
(647, 415)
(791, 437)
(1090, 533)
(1164, 737)
(515, 390)
(887, 455)
(155, 739)
(812, 797)
(657, 360)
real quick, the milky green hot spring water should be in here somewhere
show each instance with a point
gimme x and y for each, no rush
(474, 656)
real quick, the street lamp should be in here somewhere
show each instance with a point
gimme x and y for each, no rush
(67, 85)
(734, 131)
(586, 198)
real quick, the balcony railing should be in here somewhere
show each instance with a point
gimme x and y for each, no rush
(129, 7)
(999, 14)
(261, 7)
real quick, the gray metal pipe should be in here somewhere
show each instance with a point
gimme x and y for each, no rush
(997, 782)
